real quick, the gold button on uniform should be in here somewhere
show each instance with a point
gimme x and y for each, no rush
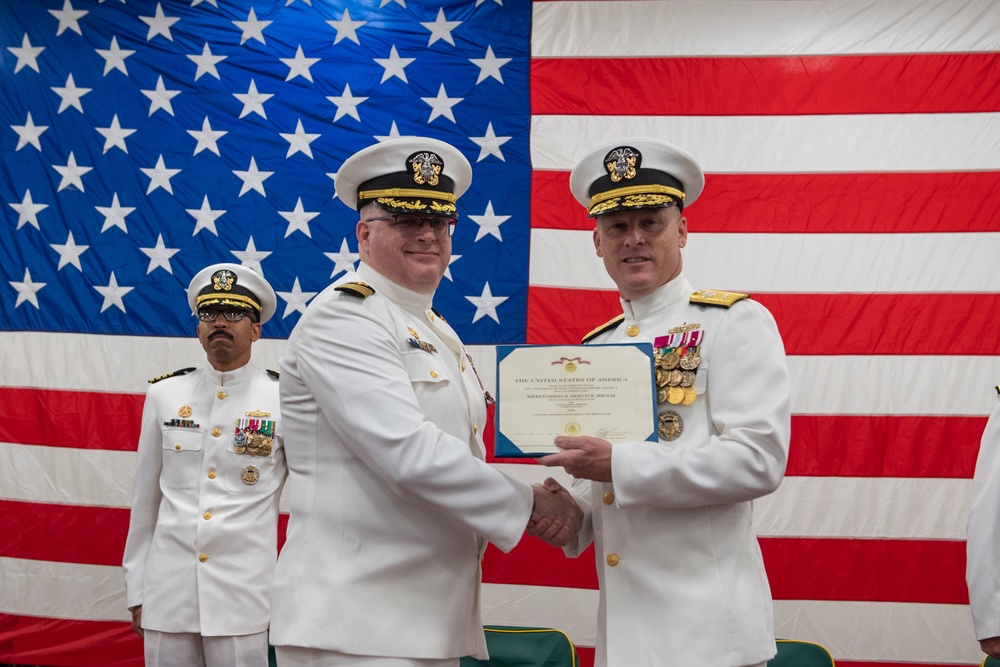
(216, 431)
(203, 557)
(207, 515)
(177, 446)
(609, 498)
(632, 331)
(434, 374)
(221, 394)
(211, 474)
(613, 559)
(475, 428)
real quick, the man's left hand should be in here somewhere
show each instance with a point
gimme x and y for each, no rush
(583, 457)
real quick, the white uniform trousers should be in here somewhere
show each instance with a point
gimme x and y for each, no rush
(299, 656)
(188, 649)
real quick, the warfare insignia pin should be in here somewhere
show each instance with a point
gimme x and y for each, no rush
(250, 476)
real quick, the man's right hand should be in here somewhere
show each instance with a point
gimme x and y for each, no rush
(556, 517)
(137, 619)
(991, 647)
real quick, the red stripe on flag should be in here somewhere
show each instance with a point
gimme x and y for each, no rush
(81, 419)
(810, 324)
(60, 642)
(885, 203)
(71, 533)
(763, 86)
(931, 571)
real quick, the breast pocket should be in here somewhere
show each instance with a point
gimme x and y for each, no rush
(430, 384)
(182, 456)
(701, 378)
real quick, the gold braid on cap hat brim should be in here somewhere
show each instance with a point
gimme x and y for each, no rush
(227, 300)
(635, 196)
(405, 192)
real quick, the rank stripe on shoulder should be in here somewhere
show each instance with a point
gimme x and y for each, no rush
(716, 298)
(604, 327)
(360, 289)
(183, 371)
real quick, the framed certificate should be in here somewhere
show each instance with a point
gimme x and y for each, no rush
(607, 391)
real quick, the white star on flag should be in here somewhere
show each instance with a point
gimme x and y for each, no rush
(68, 18)
(159, 255)
(71, 174)
(298, 219)
(479, 2)
(346, 28)
(69, 252)
(490, 144)
(159, 176)
(253, 101)
(114, 57)
(207, 137)
(70, 95)
(394, 65)
(296, 300)
(253, 178)
(298, 142)
(195, 3)
(160, 97)
(343, 260)
(26, 54)
(206, 62)
(112, 294)
(252, 28)
(299, 65)
(489, 66)
(401, 3)
(486, 304)
(159, 24)
(251, 257)
(27, 290)
(347, 104)
(114, 215)
(447, 270)
(27, 211)
(332, 175)
(489, 222)
(442, 104)
(393, 134)
(441, 28)
(28, 134)
(205, 217)
(115, 135)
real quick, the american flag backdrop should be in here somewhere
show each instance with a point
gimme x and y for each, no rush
(852, 151)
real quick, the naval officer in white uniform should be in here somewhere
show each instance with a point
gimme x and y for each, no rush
(682, 581)
(983, 573)
(392, 502)
(202, 541)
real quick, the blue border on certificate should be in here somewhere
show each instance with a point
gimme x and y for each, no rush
(503, 447)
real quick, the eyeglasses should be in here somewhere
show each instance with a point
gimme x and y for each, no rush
(410, 224)
(230, 315)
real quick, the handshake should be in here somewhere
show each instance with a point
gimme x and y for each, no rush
(556, 518)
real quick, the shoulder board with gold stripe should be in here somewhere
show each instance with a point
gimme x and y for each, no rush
(362, 290)
(716, 298)
(183, 371)
(273, 374)
(610, 324)
(435, 311)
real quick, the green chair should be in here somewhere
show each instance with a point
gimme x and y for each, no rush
(793, 653)
(990, 662)
(512, 646)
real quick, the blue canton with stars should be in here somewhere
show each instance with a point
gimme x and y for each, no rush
(142, 141)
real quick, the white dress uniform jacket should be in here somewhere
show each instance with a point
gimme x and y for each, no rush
(390, 496)
(682, 582)
(202, 543)
(983, 574)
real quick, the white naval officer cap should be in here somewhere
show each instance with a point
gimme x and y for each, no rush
(405, 175)
(232, 285)
(635, 172)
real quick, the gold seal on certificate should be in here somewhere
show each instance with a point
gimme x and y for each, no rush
(544, 391)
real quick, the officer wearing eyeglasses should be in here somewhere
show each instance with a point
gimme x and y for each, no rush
(392, 502)
(202, 541)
